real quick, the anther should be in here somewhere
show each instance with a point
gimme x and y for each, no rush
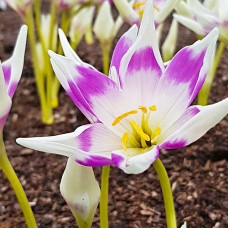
(153, 108)
(140, 131)
(143, 109)
(119, 118)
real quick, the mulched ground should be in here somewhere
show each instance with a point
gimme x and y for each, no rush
(198, 173)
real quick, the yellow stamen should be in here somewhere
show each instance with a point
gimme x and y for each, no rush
(119, 118)
(124, 140)
(143, 109)
(153, 108)
(155, 135)
(140, 131)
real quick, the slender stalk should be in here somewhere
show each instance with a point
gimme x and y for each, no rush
(104, 197)
(205, 91)
(16, 185)
(105, 52)
(29, 20)
(65, 22)
(167, 193)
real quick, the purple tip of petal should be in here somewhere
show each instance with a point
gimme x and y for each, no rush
(225, 24)
(6, 72)
(144, 59)
(12, 88)
(175, 144)
(3, 120)
(94, 161)
(117, 159)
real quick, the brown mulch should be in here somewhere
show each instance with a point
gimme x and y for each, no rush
(198, 173)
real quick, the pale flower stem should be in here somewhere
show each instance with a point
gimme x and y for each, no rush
(16, 185)
(104, 197)
(205, 91)
(167, 193)
(105, 52)
(56, 85)
(29, 20)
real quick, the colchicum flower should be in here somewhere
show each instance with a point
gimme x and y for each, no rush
(201, 18)
(140, 108)
(81, 196)
(10, 73)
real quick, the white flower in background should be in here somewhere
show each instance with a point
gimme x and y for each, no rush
(20, 6)
(81, 191)
(162, 9)
(105, 28)
(184, 225)
(46, 31)
(81, 23)
(201, 18)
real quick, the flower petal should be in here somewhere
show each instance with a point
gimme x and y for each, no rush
(12, 68)
(70, 53)
(89, 145)
(144, 53)
(124, 43)
(191, 24)
(182, 80)
(134, 164)
(197, 126)
(63, 68)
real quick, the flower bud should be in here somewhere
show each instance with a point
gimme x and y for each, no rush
(81, 191)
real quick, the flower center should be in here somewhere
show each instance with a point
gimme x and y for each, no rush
(141, 135)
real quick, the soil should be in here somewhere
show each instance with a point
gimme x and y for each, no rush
(198, 173)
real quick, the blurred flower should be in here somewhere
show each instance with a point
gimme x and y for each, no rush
(105, 28)
(162, 9)
(201, 18)
(80, 24)
(81, 192)
(2, 4)
(140, 108)
(10, 73)
(46, 30)
(65, 4)
(20, 6)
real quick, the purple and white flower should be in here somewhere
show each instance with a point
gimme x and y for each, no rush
(10, 73)
(201, 18)
(140, 108)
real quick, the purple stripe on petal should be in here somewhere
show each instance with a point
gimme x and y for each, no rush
(175, 144)
(6, 72)
(95, 161)
(144, 59)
